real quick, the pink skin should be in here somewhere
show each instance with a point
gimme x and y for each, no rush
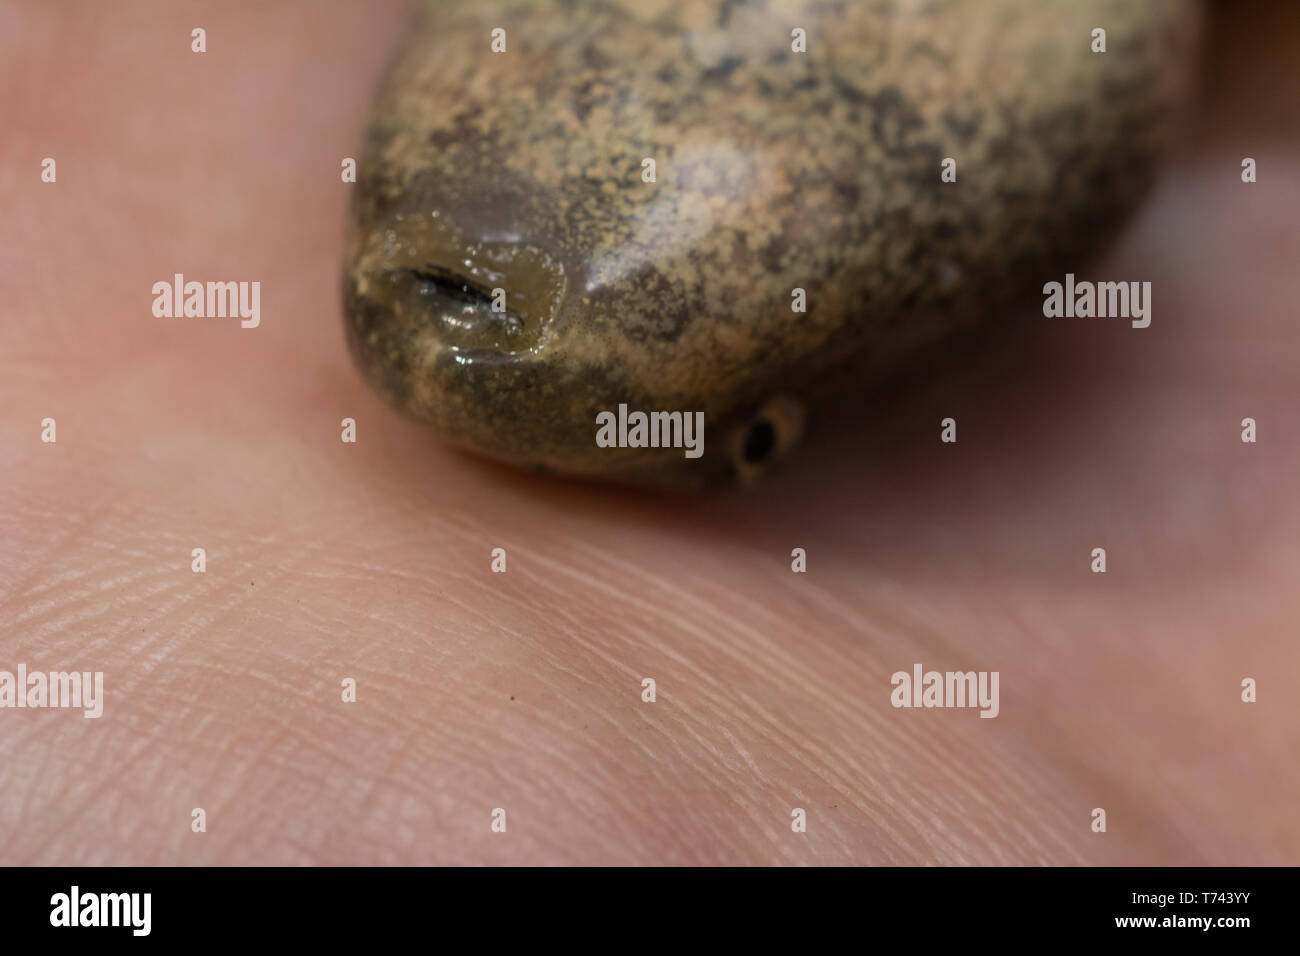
(523, 690)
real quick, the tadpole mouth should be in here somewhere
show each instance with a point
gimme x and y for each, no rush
(469, 313)
(474, 299)
(444, 282)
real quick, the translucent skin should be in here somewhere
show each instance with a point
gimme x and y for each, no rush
(774, 171)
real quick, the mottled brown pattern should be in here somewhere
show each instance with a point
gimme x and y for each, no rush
(776, 170)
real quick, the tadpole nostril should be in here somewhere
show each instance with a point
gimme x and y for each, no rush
(759, 442)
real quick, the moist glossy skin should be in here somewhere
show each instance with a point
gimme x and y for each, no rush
(775, 170)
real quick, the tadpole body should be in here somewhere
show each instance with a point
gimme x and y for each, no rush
(513, 272)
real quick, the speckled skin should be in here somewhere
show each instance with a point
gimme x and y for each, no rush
(775, 170)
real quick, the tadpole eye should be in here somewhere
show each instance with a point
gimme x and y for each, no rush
(774, 430)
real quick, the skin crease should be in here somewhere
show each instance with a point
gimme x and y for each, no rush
(327, 560)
